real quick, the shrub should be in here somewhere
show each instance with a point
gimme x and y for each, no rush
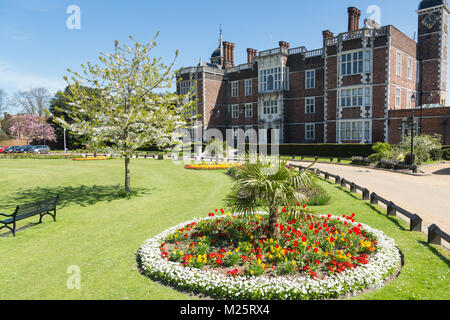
(436, 154)
(423, 145)
(325, 150)
(446, 154)
(383, 150)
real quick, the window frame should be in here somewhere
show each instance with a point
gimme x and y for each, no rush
(248, 87)
(310, 105)
(235, 111)
(310, 131)
(249, 107)
(235, 89)
(310, 81)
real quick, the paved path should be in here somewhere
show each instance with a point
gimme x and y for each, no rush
(428, 196)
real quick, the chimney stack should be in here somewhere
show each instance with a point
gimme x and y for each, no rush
(327, 34)
(354, 16)
(228, 49)
(284, 44)
(251, 54)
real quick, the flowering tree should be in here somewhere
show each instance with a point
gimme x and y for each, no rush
(123, 111)
(31, 127)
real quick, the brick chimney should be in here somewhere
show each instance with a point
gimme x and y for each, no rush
(284, 44)
(228, 49)
(354, 16)
(251, 54)
(327, 34)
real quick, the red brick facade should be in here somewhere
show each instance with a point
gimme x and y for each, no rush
(356, 89)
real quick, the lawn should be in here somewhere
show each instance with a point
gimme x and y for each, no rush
(100, 232)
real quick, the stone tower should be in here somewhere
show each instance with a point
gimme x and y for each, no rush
(433, 51)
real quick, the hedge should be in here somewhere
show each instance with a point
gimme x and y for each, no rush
(325, 150)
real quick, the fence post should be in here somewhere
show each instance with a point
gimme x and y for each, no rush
(339, 160)
(337, 180)
(327, 176)
(433, 235)
(352, 188)
(331, 160)
(390, 209)
(373, 198)
(366, 194)
(416, 223)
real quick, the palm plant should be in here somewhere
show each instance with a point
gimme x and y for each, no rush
(263, 186)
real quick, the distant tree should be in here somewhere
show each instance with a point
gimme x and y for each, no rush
(33, 102)
(123, 111)
(30, 128)
(60, 107)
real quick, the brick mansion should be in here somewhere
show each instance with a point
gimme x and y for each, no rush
(360, 87)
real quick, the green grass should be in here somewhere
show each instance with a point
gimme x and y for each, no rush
(100, 232)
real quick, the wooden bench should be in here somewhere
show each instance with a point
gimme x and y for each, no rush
(25, 211)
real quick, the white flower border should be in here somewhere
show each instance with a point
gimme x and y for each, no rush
(384, 263)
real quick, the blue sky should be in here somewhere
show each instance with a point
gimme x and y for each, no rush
(37, 47)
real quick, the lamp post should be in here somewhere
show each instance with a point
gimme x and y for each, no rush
(410, 123)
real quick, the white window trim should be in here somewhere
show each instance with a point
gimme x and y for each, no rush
(364, 96)
(235, 89)
(309, 126)
(363, 139)
(366, 68)
(398, 97)
(248, 87)
(410, 68)
(234, 111)
(314, 78)
(398, 63)
(313, 99)
(248, 106)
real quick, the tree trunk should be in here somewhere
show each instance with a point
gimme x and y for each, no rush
(273, 220)
(127, 175)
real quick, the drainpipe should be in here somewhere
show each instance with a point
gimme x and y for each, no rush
(445, 131)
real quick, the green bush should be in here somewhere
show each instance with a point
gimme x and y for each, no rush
(383, 150)
(423, 146)
(324, 150)
(436, 154)
(446, 154)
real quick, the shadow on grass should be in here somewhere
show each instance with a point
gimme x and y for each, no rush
(435, 251)
(81, 195)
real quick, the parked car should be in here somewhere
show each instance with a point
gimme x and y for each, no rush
(13, 149)
(2, 148)
(25, 149)
(41, 149)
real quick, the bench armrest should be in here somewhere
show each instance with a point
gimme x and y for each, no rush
(6, 215)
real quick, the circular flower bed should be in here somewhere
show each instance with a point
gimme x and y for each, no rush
(90, 159)
(313, 258)
(214, 166)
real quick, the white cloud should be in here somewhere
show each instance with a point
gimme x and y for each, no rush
(12, 80)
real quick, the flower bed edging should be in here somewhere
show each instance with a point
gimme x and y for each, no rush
(384, 263)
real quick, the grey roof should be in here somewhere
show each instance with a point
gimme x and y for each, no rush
(216, 53)
(425, 4)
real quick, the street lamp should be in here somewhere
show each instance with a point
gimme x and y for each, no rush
(410, 125)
